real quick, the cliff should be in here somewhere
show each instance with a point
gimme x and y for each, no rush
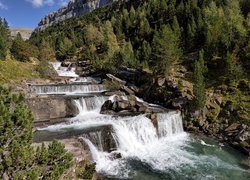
(25, 32)
(73, 9)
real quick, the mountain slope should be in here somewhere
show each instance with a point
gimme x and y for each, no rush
(73, 9)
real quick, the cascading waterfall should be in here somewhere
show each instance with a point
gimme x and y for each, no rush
(169, 124)
(87, 104)
(137, 138)
(64, 71)
(132, 147)
(67, 88)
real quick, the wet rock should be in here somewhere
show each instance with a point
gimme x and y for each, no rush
(66, 64)
(243, 136)
(119, 93)
(101, 137)
(153, 117)
(116, 155)
(107, 106)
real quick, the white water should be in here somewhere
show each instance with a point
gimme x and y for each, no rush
(67, 89)
(169, 124)
(87, 104)
(138, 139)
(64, 71)
(86, 80)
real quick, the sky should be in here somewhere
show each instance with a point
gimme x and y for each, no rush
(27, 13)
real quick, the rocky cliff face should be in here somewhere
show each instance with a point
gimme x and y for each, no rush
(74, 8)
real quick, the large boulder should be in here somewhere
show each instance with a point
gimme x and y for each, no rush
(52, 108)
(123, 103)
(116, 84)
(101, 137)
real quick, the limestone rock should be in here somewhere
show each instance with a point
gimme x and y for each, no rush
(51, 108)
(73, 9)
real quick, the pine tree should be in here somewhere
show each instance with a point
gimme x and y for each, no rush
(128, 55)
(4, 38)
(23, 50)
(46, 53)
(145, 53)
(176, 28)
(15, 135)
(199, 83)
(165, 51)
(42, 154)
(18, 160)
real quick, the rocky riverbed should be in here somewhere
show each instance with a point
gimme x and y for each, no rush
(105, 121)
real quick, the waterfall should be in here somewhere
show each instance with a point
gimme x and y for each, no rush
(86, 104)
(133, 133)
(86, 80)
(64, 71)
(67, 88)
(169, 124)
(96, 138)
(137, 138)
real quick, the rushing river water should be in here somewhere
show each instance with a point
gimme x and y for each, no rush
(143, 150)
(146, 154)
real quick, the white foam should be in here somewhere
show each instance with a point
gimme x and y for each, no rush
(64, 71)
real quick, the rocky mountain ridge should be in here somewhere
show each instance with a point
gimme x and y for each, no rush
(73, 9)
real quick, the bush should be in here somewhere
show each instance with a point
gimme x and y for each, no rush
(87, 172)
(43, 68)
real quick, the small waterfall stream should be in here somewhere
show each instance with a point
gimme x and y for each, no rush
(64, 71)
(67, 89)
(86, 104)
(132, 147)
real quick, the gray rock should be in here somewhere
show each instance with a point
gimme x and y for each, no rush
(50, 108)
(161, 81)
(116, 79)
(73, 9)
(120, 104)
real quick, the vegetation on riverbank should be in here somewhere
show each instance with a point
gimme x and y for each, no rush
(17, 156)
(13, 71)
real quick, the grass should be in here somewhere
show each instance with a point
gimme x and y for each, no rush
(12, 71)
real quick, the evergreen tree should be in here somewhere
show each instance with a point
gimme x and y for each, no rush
(165, 51)
(22, 50)
(128, 55)
(64, 48)
(199, 83)
(18, 160)
(145, 53)
(16, 135)
(176, 28)
(46, 53)
(4, 38)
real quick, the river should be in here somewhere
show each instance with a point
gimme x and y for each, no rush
(141, 149)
